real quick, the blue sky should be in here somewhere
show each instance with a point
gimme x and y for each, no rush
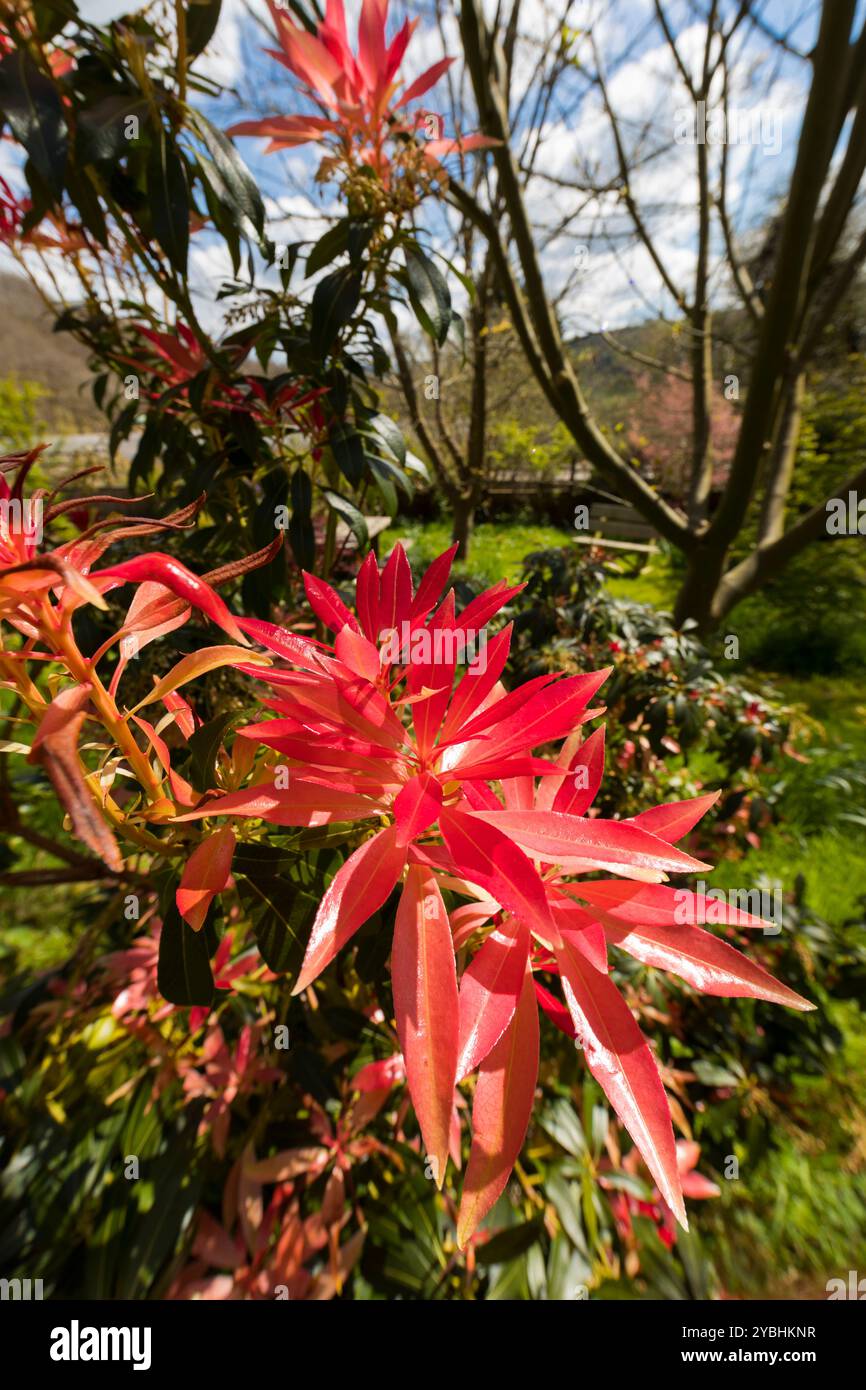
(602, 279)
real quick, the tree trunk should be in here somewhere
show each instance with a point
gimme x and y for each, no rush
(699, 588)
(463, 524)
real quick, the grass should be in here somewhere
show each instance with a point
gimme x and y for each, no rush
(829, 862)
(837, 702)
(497, 550)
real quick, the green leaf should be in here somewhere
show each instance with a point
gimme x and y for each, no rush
(328, 247)
(565, 1197)
(184, 975)
(169, 1196)
(302, 537)
(350, 514)
(32, 106)
(386, 488)
(239, 188)
(83, 194)
(385, 470)
(101, 129)
(567, 1272)
(709, 1074)
(428, 294)
(222, 215)
(509, 1244)
(202, 17)
(561, 1123)
(347, 447)
(263, 861)
(204, 745)
(388, 434)
(282, 915)
(169, 200)
(105, 1244)
(50, 16)
(335, 300)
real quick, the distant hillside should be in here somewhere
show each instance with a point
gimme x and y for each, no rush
(30, 351)
(614, 382)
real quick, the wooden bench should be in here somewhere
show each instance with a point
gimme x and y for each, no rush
(640, 550)
(347, 542)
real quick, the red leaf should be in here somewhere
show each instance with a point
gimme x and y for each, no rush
(395, 592)
(705, 962)
(489, 990)
(483, 855)
(327, 604)
(205, 875)
(619, 1058)
(580, 928)
(367, 597)
(560, 838)
(556, 1012)
(500, 1113)
(504, 707)
(477, 683)
(477, 614)
(674, 820)
(357, 889)
(424, 980)
(55, 748)
(551, 713)
(166, 570)
(432, 583)
(301, 651)
(417, 806)
(359, 654)
(657, 904)
(427, 80)
(379, 1076)
(470, 918)
(298, 804)
(572, 797)
(153, 612)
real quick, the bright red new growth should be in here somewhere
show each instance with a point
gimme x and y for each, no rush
(452, 769)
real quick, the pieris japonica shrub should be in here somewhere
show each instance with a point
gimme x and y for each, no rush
(378, 826)
(473, 802)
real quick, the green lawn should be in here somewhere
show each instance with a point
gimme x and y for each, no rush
(497, 549)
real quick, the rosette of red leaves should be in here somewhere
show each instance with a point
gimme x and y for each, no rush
(358, 96)
(379, 726)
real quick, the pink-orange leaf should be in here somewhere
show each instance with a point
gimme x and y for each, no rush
(674, 820)
(417, 806)
(484, 855)
(560, 838)
(489, 990)
(205, 875)
(583, 778)
(358, 888)
(619, 1058)
(656, 904)
(705, 962)
(500, 1113)
(424, 980)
